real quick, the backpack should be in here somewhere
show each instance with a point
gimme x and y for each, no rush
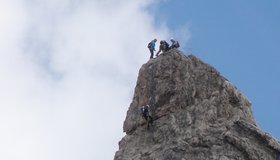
(166, 44)
(178, 45)
(149, 45)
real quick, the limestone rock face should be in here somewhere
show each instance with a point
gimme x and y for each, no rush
(197, 113)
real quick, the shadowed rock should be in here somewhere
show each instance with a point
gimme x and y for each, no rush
(198, 115)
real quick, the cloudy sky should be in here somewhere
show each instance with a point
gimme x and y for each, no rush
(69, 67)
(68, 70)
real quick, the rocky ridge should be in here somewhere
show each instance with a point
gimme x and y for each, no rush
(198, 115)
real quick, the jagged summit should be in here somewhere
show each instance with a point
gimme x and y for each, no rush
(198, 115)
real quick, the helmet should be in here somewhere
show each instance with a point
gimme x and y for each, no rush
(155, 39)
(171, 39)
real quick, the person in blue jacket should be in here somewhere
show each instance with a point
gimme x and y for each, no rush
(151, 47)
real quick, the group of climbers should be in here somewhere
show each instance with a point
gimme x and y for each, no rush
(163, 47)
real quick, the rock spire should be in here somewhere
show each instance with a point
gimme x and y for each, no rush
(198, 115)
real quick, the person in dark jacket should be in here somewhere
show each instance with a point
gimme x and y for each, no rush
(146, 114)
(164, 46)
(151, 47)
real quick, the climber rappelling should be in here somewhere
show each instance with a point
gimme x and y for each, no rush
(146, 114)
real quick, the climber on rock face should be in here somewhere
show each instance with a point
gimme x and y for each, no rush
(151, 47)
(146, 114)
(145, 110)
(164, 46)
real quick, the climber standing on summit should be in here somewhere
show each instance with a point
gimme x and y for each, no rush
(151, 47)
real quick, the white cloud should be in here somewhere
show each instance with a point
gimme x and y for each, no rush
(68, 69)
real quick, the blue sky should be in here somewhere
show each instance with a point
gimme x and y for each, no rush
(241, 39)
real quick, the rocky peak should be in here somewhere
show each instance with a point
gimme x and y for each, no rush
(198, 114)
